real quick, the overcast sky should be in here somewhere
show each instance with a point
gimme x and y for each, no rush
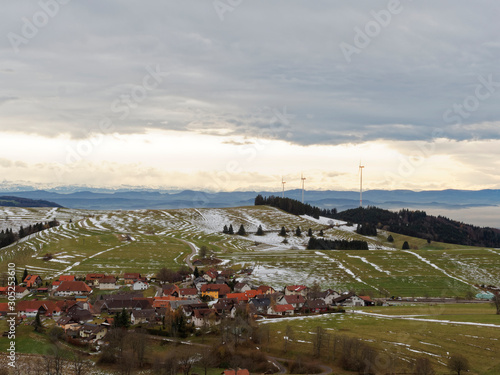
(229, 94)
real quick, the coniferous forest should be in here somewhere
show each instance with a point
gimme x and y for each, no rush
(407, 222)
(8, 236)
(324, 244)
(294, 206)
(419, 224)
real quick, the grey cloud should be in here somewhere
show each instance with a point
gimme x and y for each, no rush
(263, 55)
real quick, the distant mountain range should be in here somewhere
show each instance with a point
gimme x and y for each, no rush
(342, 200)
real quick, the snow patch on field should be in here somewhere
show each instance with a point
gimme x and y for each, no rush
(436, 267)
(426, 320)
(340, 265)
(363, 259)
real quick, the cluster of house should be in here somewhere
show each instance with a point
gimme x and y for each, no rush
(206, 302)
(68, 285)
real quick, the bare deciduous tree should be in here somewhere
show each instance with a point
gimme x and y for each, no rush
(288, 338)
(458, 364)
(423, 366)
(79, 365)
(318, 341)
(208, 359)
(496, 302)
(139, 341)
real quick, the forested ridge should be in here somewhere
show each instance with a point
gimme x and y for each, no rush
(8, 201)
(407, 222)
(294, 206)
(419, 224)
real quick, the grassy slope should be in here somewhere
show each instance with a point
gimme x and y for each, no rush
(95, 242)
(405, 340)
(156, 242)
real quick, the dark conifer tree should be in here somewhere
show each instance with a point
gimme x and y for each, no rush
(242, 231)
(260, 232)
(37, 324)
(230, 230)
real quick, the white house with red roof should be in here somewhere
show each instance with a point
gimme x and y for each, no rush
(281, 310)
(71, 288)
(107, 283)
(20, 291)
(297, 301)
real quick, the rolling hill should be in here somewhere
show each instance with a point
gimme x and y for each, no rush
(145, 240)
(10, 201)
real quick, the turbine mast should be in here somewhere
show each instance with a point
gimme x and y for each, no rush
(361, 184)
(283, 183)
(302, 179)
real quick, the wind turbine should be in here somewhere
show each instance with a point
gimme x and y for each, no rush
(302, 179)
(283, 183)
(360, 172)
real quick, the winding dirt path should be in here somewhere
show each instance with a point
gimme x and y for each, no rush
(194, 251)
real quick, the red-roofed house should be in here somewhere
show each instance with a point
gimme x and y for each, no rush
(130, 277)
(292, 290)
(4, 308)
(367, 300)
(107, 283)
(170, 290)
(31, 308)
(19, 290)
(66, 278)
(188, 293)
(93, 278)
(32, 281)
(316, 305)
(281, 310)
(252, 293)
(241, 297)
(164, 302)
(297, 301)
(71, 288)
(211, 275)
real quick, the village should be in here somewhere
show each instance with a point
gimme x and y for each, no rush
(86, 308)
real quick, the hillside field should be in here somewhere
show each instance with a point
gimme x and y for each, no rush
(145, 240)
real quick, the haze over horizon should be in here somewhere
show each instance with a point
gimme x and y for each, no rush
(205, 96)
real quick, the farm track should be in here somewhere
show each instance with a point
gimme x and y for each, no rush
(194, 251)
(419, 319)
